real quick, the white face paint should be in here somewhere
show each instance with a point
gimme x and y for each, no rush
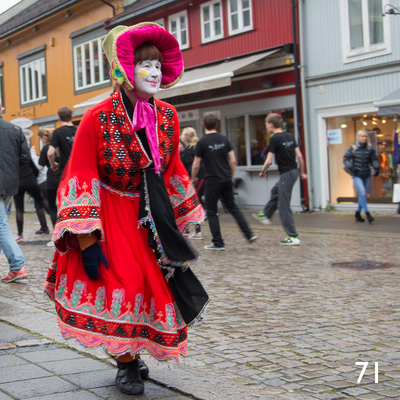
(147, 78)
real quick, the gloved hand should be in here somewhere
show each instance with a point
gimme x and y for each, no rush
(376, 172)
(91, 258)
(354, 170)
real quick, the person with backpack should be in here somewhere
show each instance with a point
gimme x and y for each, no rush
(357, 161)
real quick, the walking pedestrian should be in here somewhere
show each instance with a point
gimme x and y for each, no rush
(28, 184)
(41, 181)
(53, 177)
(283, 146)
(358, 159)
(63, 139)
(14, 153)
(220, 164)
(124, 200)
(190, 139)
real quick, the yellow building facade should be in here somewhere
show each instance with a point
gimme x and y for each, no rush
(51, 57)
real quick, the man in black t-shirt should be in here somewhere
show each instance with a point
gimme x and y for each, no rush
(220, 163)
(63, 138)
(283, 146)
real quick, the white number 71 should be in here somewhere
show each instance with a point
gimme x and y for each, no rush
(365, 364)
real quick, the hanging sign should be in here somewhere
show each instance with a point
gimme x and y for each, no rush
(28, 133)
(23, 123)
(334, 136)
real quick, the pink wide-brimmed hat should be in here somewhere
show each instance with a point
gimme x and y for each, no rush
(121, 42)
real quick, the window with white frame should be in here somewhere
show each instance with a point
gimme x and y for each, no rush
(33, 81)
(239, 16)
(90, 64)
(178, 26)
(366, 33)
(211, 21)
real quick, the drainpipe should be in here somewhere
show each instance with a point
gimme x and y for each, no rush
(110, 5)
(305, 107)
(297, 87)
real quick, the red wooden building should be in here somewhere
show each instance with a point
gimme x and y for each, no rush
(237, 57)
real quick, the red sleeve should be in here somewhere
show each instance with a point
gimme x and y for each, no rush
(79, 190)
(186, 204)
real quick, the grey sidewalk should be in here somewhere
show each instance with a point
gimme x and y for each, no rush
(35, 368)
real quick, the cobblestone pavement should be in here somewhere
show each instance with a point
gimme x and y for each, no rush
(283, 316)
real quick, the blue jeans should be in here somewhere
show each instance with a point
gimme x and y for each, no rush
(7, 243)
(361, 185)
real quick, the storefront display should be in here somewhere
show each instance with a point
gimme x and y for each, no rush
(383, 135)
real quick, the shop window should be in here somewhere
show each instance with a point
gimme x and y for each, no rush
(179, 28)
(32, 76)
(382, 134)
(211, 21)
(366, 33)
(257, 134)
(236, 133)
(1, 88)
(239, 16)
(91, 65)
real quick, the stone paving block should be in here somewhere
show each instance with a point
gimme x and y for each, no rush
(9, 333)
(340, 384)
(3, 396)
(50, 355)
(275, 382)
(32, 342)
(22, 372)
(329, 396)
(271, 375)
(356, 391)
(76, 395)
(10, 360)
(64, 367)
(312, 374)
(371, 396)
(90, 380)
(38, 387)
(7, 346)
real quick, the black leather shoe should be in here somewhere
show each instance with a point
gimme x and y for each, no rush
(358, 217)
(128, 378)
(370, 218)
(143, 368)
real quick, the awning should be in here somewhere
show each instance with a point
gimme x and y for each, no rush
(199, 79)
(213, 77)
(389, 104)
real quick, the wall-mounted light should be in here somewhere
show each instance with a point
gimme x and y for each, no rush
(267, 84)
(289, 59)
(374, 123)
(8, 42)
(395, 118)
(383, 120)
(365, 115)
(35, 29)
(343, 124)
(365, 123)
(68, 14)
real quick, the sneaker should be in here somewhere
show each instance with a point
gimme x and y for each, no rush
(262, 218)
(42, 231)
(185, 235)
(15, 275)
(50, 244)
(196, 236)
(19, 239)
(214, 247)
(291, 241)
(252, 239)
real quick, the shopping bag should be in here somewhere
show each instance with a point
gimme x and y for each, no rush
(396, 193)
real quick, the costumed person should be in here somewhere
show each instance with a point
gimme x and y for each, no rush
(121, 276)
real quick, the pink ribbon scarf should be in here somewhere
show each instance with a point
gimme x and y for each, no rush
(144, 116)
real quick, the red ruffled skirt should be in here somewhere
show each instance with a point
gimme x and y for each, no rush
(130, 308)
